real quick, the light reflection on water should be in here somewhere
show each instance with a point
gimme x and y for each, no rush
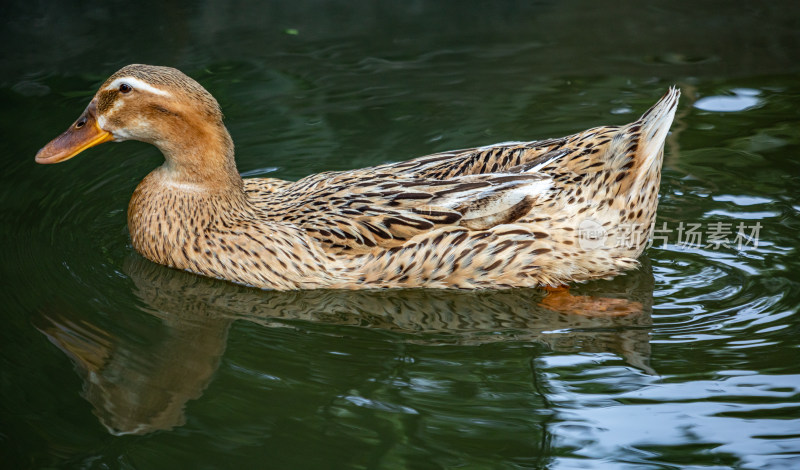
(741, 100)
(111, 360)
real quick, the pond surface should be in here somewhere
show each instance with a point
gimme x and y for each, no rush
(110, 361)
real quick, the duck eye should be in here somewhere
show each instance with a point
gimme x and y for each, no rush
(125, 88)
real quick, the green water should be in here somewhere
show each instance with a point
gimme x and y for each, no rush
(110, 361)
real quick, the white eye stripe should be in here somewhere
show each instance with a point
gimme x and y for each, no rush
(137, 85)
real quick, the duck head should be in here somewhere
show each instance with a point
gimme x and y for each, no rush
(157, 105)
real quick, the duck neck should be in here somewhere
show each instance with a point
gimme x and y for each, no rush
(201, 157)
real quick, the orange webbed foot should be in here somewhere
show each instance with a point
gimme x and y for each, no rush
(560, 300)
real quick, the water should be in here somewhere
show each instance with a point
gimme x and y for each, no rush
(110, 361)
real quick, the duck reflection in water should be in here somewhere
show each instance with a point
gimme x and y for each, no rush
(140, 383)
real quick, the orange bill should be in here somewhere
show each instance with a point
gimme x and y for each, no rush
(81, 135)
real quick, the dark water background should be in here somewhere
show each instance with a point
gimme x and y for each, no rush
(109, 361)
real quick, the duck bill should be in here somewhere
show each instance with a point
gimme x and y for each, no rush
(81, 135)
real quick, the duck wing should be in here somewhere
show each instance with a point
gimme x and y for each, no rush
(360, 210)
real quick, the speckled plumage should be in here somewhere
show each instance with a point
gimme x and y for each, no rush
(506, 215)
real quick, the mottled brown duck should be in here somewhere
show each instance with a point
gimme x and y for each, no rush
(522, 214)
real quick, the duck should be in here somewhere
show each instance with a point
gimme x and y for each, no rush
(541, 213)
